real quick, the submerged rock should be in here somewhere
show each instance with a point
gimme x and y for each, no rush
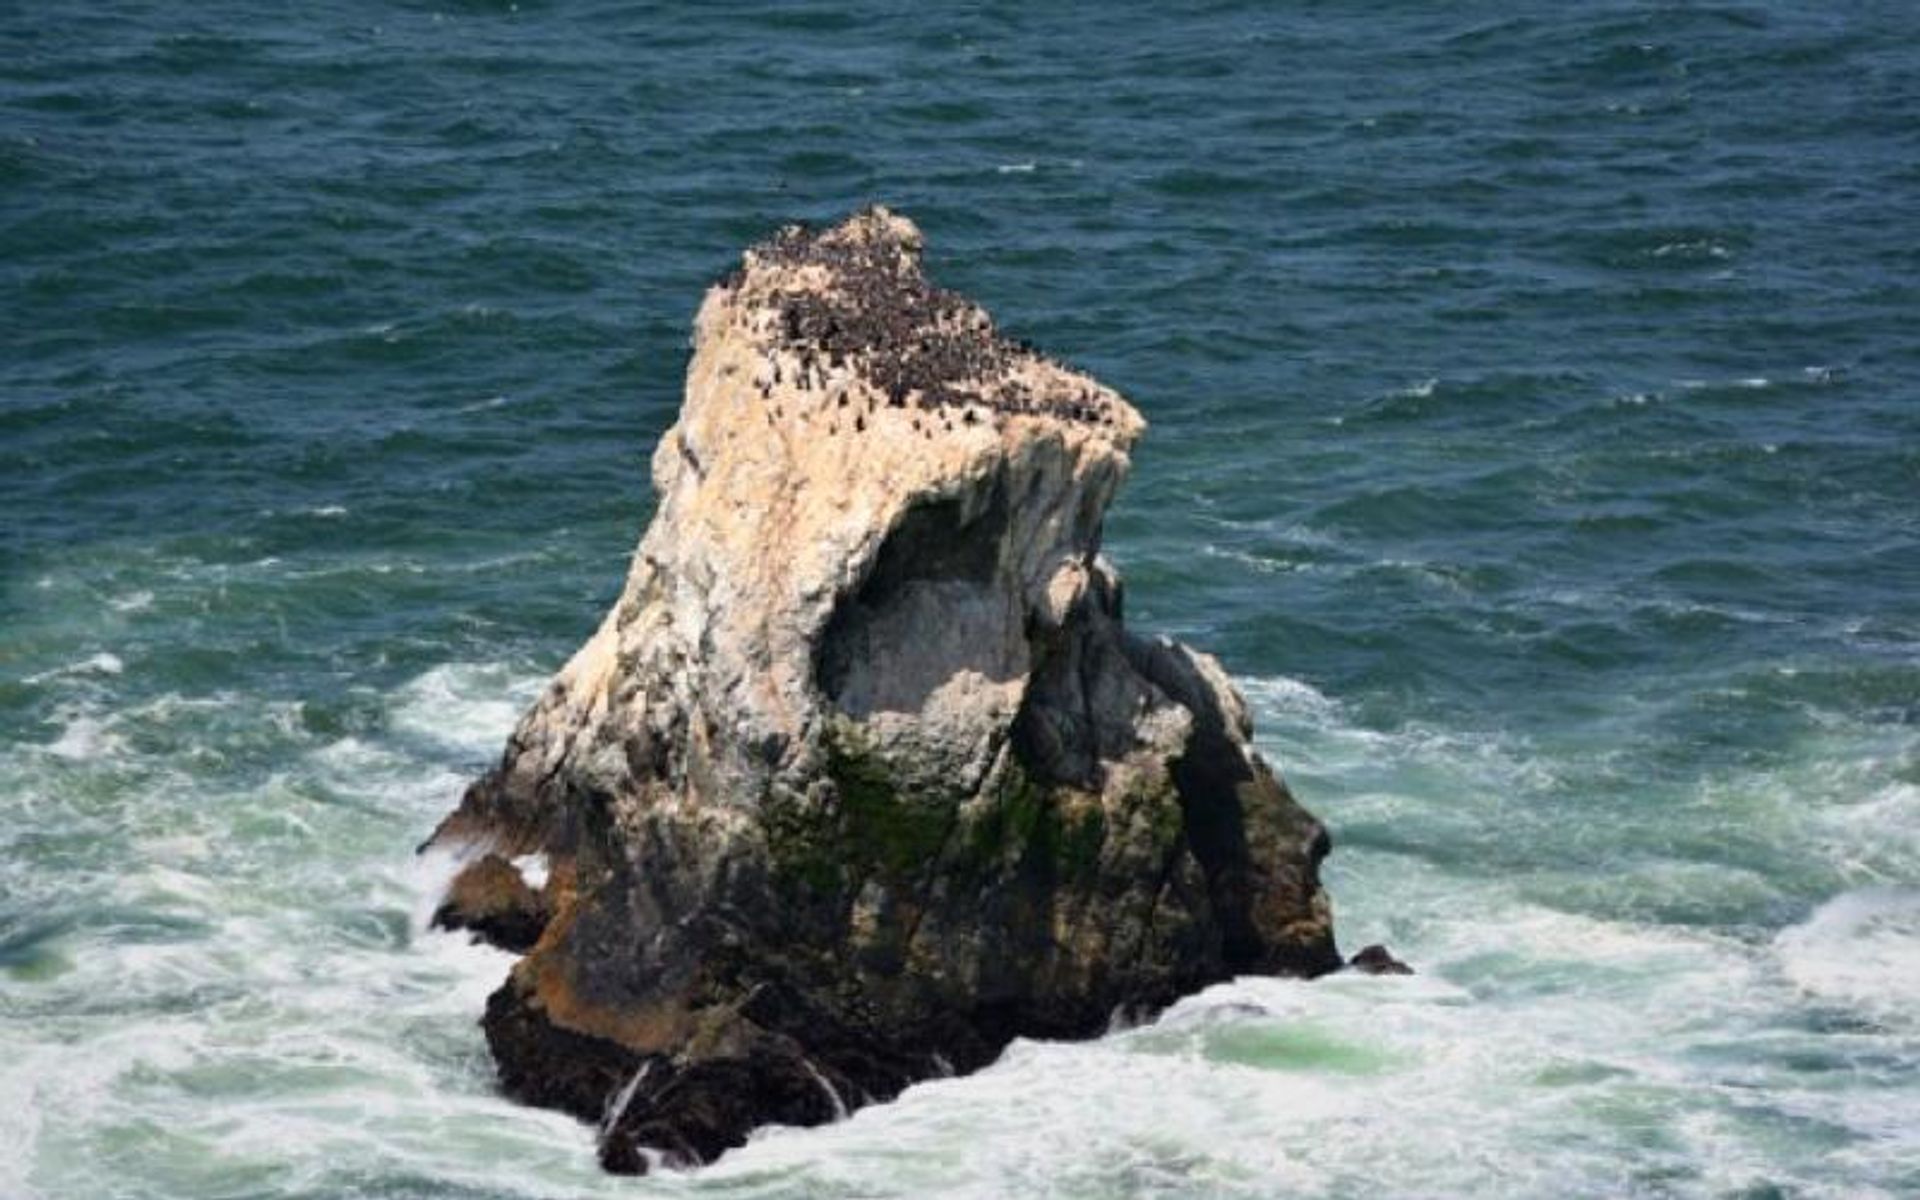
(862, 776)
(1377, 960)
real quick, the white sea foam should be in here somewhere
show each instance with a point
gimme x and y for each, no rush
(1696, 248)
(1748, 382)
(1258, 562)
(1860, 949)
(1280, 693)
(103, 663)
(86, 737)
(466, 706)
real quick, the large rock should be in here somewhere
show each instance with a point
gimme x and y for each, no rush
(862, 777)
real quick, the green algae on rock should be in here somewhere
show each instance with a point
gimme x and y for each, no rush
(863, 776)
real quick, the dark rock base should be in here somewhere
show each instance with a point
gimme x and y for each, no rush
(653, 1112)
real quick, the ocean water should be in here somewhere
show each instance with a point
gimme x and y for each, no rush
(1535, 394)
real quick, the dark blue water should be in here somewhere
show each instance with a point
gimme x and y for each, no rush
(1536, 406)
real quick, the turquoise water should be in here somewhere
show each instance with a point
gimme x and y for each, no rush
(1536, 405)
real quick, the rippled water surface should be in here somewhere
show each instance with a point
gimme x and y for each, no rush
(1536, 405)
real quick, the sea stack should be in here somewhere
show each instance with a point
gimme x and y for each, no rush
(862, 777)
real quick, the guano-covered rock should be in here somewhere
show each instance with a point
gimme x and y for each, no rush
(863, 776)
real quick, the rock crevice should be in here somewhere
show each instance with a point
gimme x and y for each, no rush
(863, 776)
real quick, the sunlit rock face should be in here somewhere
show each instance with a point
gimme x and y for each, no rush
(862, 776)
